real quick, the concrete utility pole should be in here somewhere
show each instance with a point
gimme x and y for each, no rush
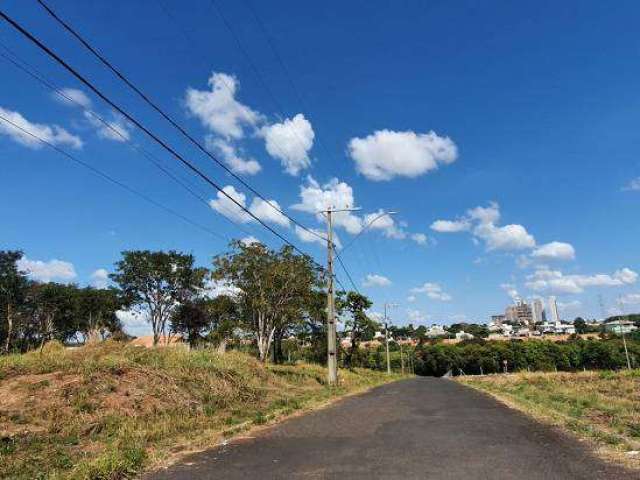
(386, 333)
(332, 359)
(624, 339)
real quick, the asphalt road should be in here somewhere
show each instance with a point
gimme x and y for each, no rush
(423, 428)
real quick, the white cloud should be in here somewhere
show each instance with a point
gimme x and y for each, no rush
(490, 214)
(508, 237)
(290, 142)
(100, 278)
(134, 323)
(218, 109)
(379, 221)
(450, 226)
(416, 316)
(52, 134)
(554, 281)
(411, 298)
(47, 271)
(386, 154)
(267, 213)
(72, 97)
(250, 240)
(419, 238)
(633, 185)
(225, 206)
(215, 288)
(118, 129)
(511, 290)
(319, 237)
(555, 251)
(433, 291)
(261, 209)
(231, 157)
(335, 194)
(375, 280)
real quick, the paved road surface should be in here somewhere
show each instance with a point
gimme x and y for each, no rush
(423, 428)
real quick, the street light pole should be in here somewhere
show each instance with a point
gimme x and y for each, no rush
(332, 361)
(332, 335)
(624, 339)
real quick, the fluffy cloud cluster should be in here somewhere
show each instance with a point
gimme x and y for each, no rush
(314, 198)
(47, 271)
(290, 142)
(386, 154)
(318, 236)
(375, 280)
(229, 120)
(265, 211)
(53, 134)
(450, 226)
(217, 108)
(554, 281)
(433, 291)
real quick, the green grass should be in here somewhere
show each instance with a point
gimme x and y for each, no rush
(603, 407)
(110, 411)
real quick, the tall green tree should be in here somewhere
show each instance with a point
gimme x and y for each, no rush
(354, 307)
(274, 287)
(13, 286)
(96, 311)
(155, 283)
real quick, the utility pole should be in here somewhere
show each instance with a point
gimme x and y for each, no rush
(332, 359)
(386, 333)
(624, 340)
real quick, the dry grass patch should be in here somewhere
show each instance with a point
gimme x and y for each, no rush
(603, 407)
(109, 411)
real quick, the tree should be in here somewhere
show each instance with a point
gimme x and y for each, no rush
(580, 325)
(52, 310)
(273, 287)
(210, 318)
(96, 311)
(156, 283)
(354, 305)
(13, 286)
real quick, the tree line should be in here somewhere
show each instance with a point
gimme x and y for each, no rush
(252, 297)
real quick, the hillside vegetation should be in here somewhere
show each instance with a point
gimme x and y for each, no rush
(109, 410)
(603, 407)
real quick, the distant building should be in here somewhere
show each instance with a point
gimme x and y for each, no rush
(436, 331)
(620, 326)
(497, 319)
(537, 311)
(462, 335)
(553, 309)
(519, 313)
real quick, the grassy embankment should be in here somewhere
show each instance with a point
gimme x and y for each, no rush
(109, 411)
(602, 407)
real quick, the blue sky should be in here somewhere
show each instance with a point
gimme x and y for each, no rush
(430, 109)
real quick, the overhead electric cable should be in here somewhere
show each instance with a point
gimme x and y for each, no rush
(161, 112)
(39, 77)
(107, 177)
(137, 123)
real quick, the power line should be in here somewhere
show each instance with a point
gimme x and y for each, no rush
(107, 177)
(39, 77)
(152, 135)
(168, 118)
(355, 287)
